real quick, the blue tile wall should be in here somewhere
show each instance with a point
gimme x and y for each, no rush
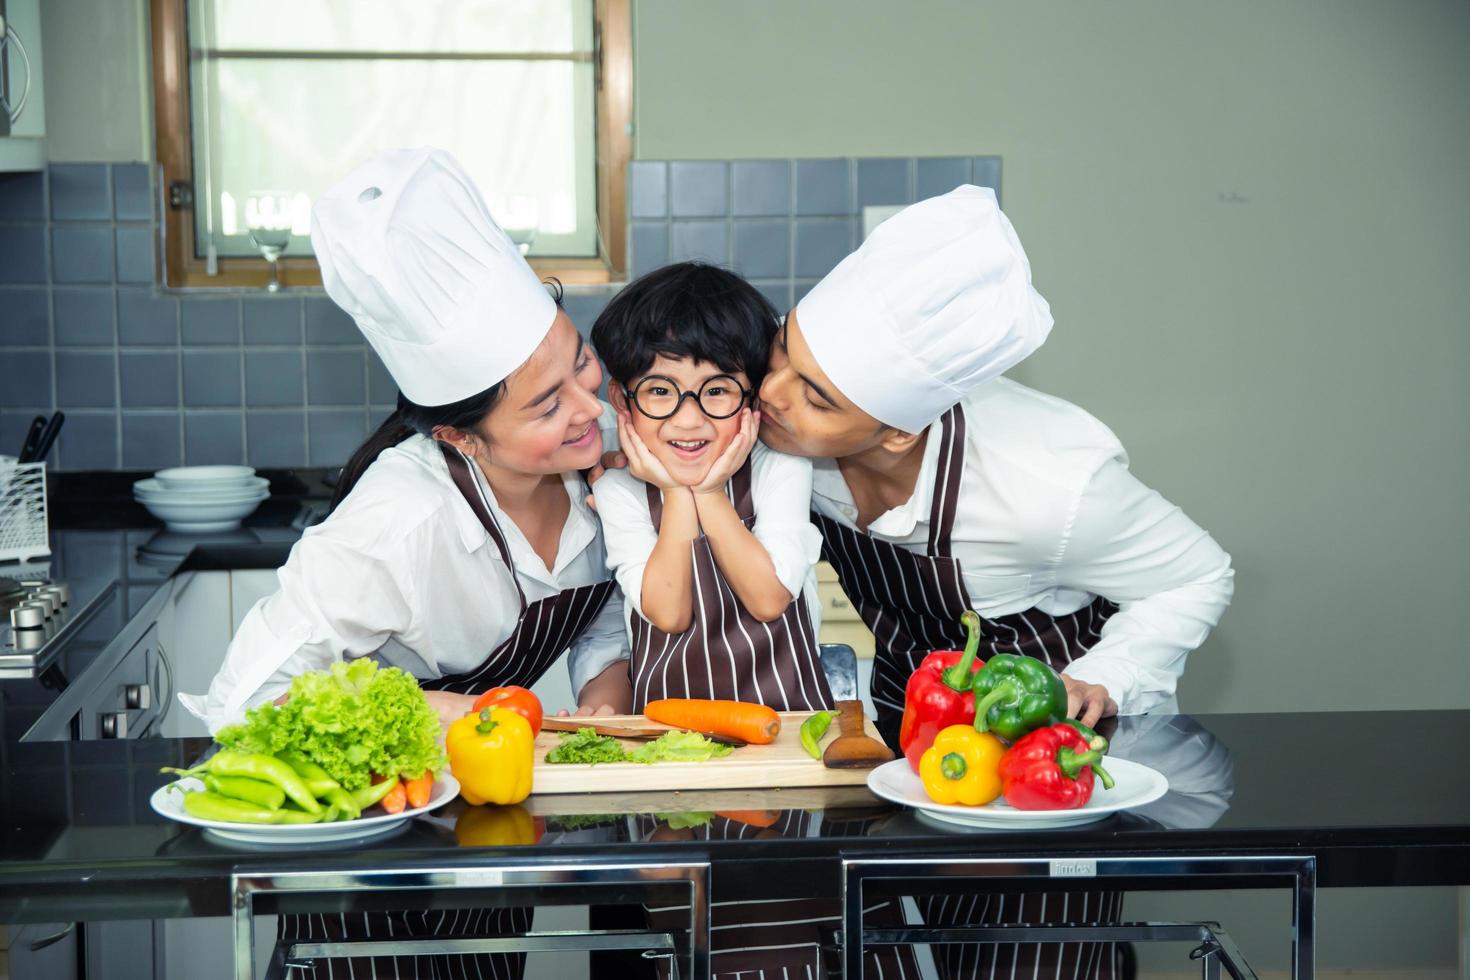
(151, 378)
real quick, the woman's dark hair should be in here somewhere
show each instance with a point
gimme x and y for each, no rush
(689, 309)
(410, 418)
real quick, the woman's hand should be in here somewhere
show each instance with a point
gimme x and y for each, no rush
(450, 707)
(642, 463)
(734, 455)
(1088, 702)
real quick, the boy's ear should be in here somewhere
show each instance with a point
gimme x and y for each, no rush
(616, 396)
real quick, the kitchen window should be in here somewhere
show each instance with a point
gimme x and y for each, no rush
(262, 104)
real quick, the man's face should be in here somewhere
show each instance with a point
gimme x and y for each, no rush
(802, 412)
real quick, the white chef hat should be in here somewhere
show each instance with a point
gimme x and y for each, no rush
(935, 302)
(408, 248)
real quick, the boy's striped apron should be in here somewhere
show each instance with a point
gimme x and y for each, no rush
(544, 630)
(726, 652)
(913, 603)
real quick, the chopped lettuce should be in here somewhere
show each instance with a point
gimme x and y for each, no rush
(586, 746)
(353, 721)
(678, 747)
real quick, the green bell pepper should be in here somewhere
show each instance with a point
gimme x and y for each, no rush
(1016, 694)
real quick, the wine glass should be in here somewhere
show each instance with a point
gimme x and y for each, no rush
(269, 216)
(522, 217)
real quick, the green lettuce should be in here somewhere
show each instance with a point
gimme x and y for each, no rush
(586, 746)
(355, 720)
(678, 747)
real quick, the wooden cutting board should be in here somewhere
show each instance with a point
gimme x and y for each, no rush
(779, 765)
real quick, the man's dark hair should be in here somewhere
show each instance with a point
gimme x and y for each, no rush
(689, 309)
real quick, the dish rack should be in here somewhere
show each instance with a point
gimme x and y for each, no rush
(23, 521)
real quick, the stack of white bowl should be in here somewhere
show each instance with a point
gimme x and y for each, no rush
(202, 499)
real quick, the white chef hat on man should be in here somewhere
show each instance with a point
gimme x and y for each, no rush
(409, 249)
(936, 301)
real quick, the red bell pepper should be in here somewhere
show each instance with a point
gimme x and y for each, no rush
(516, 699)
(1051, 769)
(938, 694)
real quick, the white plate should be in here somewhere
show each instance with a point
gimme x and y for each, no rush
(1134, 784)
(149, 487)
(170, 803)
(192, 477)
(197, 518)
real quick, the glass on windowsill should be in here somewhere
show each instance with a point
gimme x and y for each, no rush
(269, 216)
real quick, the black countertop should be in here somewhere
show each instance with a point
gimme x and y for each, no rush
(1370, 795)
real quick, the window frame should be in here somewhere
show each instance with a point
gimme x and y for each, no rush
(182, 269)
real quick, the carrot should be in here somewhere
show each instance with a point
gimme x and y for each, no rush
(755, 818)
(754, 723)
(418, 789)
(396, 799)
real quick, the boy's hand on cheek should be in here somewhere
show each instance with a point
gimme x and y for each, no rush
(642, 463)
(734, 455)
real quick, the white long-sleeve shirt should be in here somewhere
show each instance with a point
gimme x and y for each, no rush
(780, 488)
(1049, 517)
(404, 571)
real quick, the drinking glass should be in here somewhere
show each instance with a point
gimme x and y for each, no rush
(269, 217)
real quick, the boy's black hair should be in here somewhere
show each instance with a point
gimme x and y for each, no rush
(689, 309)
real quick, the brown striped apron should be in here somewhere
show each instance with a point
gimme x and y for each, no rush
(726, 652)
(783, 939)
(544, 630)
(913, 603)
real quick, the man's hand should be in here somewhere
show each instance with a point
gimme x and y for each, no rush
(1088, 702)
(734, 455)
(642, 463)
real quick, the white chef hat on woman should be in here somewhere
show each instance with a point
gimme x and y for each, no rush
(408, 248)
(937, 301)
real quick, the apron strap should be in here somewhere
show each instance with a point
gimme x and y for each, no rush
(469, 489)
(950, 469)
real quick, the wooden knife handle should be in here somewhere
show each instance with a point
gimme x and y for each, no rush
(850, 718)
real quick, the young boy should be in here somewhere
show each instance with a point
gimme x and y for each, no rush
(708, 531)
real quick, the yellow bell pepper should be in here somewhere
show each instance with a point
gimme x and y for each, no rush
(491, 754)
(962, 766)
(497, 826)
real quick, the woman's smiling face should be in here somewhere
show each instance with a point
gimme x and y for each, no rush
(546, 420)
(688, 442)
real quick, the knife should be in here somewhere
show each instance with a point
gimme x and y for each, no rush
(48, 437)
(33, 434)
(627, 731)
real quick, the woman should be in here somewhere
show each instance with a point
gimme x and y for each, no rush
(462, 549)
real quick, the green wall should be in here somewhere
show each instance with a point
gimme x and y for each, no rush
(1253, 223)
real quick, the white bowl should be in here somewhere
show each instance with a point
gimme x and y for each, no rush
(153, 489)
(193, 516)
(204, 477)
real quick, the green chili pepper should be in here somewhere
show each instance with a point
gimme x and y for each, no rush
(291, 816)
(1017, 694)
(212, 806)
(254, 791)
(369, 795)
(1095, 742)
(321, 784)
(812, 731)
(266, 768)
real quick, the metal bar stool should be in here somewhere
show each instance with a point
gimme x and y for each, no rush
(1215, 948)
(690, 958)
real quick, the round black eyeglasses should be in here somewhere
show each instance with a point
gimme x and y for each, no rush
(659, 397)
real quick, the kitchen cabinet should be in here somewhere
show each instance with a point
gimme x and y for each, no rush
(840, 620)
(23, 138)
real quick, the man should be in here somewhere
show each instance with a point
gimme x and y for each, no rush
(940, 486)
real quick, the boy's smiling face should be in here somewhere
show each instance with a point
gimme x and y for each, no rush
(688, 442)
